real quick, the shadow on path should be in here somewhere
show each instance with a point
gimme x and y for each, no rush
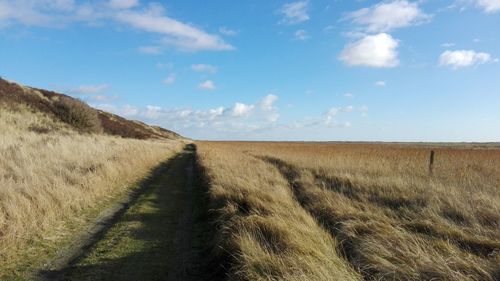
(161, 233)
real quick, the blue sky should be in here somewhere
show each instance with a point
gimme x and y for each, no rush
(269, 70)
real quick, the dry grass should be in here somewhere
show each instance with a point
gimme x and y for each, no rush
(50, 175)
(263, 232)
(391, 219)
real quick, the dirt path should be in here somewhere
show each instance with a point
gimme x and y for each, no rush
(160, 233)
(184, 233)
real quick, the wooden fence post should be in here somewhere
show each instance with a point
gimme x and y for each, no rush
(431, 162)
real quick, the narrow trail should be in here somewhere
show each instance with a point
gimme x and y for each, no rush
(159, 233)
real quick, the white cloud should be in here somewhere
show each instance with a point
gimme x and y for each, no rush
(180, 35)
(152, 18)
(380, 83)
(241, 109)
(239, 116)
(269, 111)
(48, 13)
(464, 58)
(489, 6)
(301, 34)
(99, 98)
(330, 117)
(373, 51)
(103, 98)
(88, 89)
(267, 102)
(170, 79)
(207, 85)
(349, 95)
(129, 110)
(91, 14)
(213, 113)
(30, 13)
(228, 32)
(447, 45)
(240, 119)
(126, 110)
(92, 93)
(152, 112)
(150, 50)
(206, 68)
(123, 4)
(328, 28)
(273, 117)
(387, 16)
(295, 12)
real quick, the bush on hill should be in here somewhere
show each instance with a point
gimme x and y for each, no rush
(78, 114)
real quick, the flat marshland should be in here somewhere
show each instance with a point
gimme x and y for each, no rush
(331, 211)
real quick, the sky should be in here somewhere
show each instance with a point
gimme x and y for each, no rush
(312, 70)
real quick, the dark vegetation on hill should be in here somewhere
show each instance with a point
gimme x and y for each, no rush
(77, 113)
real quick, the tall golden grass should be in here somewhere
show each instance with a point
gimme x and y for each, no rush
(51, 174)
(391, 219)
(263, 232)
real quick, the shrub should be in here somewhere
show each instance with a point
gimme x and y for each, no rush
(78, 114)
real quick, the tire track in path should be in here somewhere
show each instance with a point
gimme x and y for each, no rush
(328, 222)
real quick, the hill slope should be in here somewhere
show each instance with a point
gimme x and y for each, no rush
(61, 163)
(58, 105)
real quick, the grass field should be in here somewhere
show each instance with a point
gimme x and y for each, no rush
(303, 211)
(174, 210)
(53, 178)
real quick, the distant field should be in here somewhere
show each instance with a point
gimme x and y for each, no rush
(341, 211)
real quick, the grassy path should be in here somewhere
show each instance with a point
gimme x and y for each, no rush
(161, 236)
